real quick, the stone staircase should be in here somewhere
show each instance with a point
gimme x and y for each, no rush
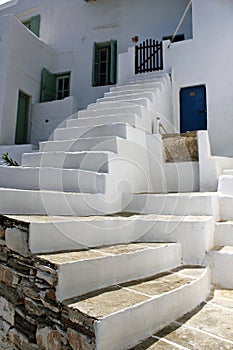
(73, 279)
(105, 297)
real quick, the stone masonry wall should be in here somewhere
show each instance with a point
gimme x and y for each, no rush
(180, 147)
(30, 317)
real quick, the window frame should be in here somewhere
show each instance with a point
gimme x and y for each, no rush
(33, 24)
(63, 91)
(49, 85)
(111, 63)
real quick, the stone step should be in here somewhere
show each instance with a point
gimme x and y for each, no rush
(92, 161)
(205, 327)
(195, 234)
(132, 91)
(137, 86)
(114, 110)
(122, 130)
(192, 203)
(224, 233)
(128, 96)
(123, 315)
(52, 179)
(84, 144)
(221, 261)
(127, 102)
(131, 119)
(85, 271)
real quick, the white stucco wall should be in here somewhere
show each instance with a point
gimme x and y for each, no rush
(207, 59)
(76, 24)
(26, 56)
(22, 57)
(49, 115)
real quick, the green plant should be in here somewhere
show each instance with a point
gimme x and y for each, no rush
(8, 161)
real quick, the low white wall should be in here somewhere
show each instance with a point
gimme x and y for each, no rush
(15, 152)
(182, 176)
(49, 115)
(170, 177)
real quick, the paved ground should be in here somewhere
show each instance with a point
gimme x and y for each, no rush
(209, 327)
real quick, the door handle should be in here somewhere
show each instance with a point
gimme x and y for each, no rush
(202, 111)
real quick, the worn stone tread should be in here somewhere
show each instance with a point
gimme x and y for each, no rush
(61, 258)
(114, 299)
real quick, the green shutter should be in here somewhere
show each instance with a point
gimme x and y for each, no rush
(113, 61)
(48, 86)
(35, 25)
(95, 65)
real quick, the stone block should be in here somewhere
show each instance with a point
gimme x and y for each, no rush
(78, 341)
(48, 339)
(33, 307)
(17, 240)
(7, 311)
(20, 340)
(2, 232)
(8, 276)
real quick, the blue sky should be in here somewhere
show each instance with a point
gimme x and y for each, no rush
(3, 1)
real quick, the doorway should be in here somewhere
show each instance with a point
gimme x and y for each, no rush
(193, 109)
(21, 134)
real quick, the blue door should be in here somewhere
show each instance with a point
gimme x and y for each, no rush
(193, 113)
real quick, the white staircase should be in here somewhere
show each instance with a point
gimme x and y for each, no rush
(100, 154)
(116, 279)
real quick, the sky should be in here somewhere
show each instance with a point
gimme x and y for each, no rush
(3, 1)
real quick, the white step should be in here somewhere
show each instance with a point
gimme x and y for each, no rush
(145, 102)
(227, 172)
(117, 129)
(132, 119)
(82, 272)
(127, 97)
(137, 86)
(52, 179)
(195, 234)
(123, 316)
(192, 203)
(224, 233)
(225, 207)
(84, 144)
(127, 108)
(31, 202)
(132, 91)
(221, 262)
(91, 161)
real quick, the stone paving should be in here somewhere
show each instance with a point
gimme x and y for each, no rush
(208, 327)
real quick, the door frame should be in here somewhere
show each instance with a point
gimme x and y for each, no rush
(28, 97)
(205, 95)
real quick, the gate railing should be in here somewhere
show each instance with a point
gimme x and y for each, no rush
(149, 56)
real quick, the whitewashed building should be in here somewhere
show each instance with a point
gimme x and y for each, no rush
(65, 35)
(118, 221)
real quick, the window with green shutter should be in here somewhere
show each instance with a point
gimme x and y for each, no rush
(33, 24)
(104, 63)
(54, 86)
